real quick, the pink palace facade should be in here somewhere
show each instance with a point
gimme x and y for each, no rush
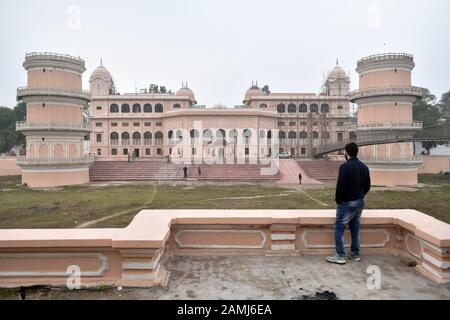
(161, 125)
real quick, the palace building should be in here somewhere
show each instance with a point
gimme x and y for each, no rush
(160, 125)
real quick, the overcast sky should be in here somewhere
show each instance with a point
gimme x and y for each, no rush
(219, 47)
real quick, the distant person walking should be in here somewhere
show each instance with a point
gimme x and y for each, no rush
(199, 171)
(300, 178)
(185, 172)
(352, 185)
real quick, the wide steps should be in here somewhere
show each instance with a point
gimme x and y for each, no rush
(325, 170)
(161, 170)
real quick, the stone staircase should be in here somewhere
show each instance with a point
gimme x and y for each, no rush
(322, 170)
(161, 170)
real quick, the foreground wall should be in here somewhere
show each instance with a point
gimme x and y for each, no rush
(9, 167)
(135, 255)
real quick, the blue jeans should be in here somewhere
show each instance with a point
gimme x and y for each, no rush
(348, 213)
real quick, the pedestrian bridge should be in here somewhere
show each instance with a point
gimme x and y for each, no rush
(438, 133)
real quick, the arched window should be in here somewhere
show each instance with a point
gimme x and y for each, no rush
(220, 134)
(352, 135)
(147, 107)
(147, 135)
(114, 108)
(176, 106)
(170, 135)
(179, 135)
(125, 136)
(194, 133)
(233, 134)
(292, 135)
(324, 108)
(136, 138)
(315, 135)
(269, 134)
(281, 108)
(282, 135)
(303, 135)
(247, 134)
(207, 136)
(263, 106)
(136, 108)
(314, 108)
(114, 136)
(159, 108)
(326, 135)
(303, 108)
(125, 108)
(292, 108)
(159, 135)
(262, 134)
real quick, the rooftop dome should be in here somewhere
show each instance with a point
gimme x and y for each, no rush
(185, 91)
(253, 91)
(337, 72)
(101, 72)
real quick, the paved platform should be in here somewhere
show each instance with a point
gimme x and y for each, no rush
(240, 277)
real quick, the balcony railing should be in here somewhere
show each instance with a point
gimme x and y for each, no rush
(386, 56)
(147, 142)
(52, 126)
(136, 142)
(159, 142)
(385, 91)
(114, 142)
(390, 126)
(79, 94)
(54, 56)
(125, 142)
(35, 161)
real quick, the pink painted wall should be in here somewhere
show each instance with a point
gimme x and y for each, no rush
(435, 164)
(8, 167)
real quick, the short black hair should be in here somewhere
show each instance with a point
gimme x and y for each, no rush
(352, 149)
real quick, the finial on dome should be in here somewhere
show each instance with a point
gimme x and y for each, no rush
(337, 62)
(101, 62)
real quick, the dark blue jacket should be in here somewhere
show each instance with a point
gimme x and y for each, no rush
(353, 181)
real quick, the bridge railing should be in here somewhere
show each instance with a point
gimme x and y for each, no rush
(389, 126)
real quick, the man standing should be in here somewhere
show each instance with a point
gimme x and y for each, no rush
(300, 178)
(185, 171)
(352, 185)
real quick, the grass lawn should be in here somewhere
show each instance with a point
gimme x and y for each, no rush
(70, 207)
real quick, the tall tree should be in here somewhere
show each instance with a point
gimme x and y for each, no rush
(8, 135)
(266, 90)
(426, 109)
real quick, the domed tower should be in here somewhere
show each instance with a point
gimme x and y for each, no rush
(253, 91)
(184, 91)
(385, 99)
(54, 126)
(101, 82)
(337, 82)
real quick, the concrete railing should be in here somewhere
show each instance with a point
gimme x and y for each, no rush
(390, 126)
(29, 92)
(385, 91)
(136, 255)
(35, 161)
(26, 126)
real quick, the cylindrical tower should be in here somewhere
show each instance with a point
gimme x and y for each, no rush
(54, 126)
(385, 99)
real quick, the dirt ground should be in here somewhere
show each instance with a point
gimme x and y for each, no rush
(309, 277)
